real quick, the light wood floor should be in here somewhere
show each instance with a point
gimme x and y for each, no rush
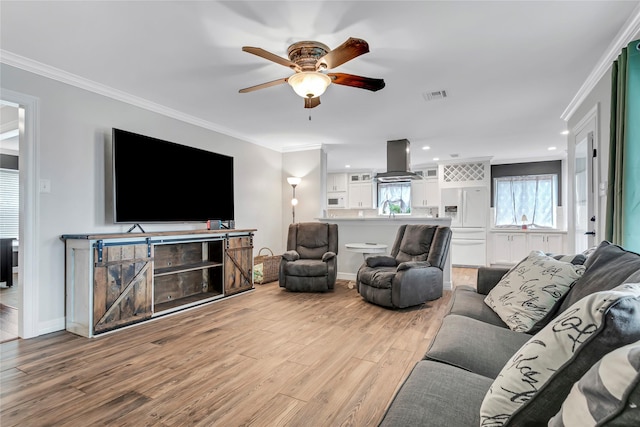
(264, 358)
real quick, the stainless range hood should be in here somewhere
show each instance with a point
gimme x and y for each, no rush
(398, 162)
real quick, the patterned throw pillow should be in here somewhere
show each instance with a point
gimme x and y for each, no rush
(577, 259)
(531, 387)
(608, 392)
(529, 291)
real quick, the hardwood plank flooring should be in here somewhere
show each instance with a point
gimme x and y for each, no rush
(264, 358)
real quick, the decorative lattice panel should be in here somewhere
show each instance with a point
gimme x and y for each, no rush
(464, 172)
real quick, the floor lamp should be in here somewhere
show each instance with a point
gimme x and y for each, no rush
(294, 181)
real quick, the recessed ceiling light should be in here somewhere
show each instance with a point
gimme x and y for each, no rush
(564, 132)
(347, 166)
(551, 148)
(436, 158)
(426, 147)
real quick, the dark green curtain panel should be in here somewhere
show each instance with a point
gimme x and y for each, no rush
(623, 193)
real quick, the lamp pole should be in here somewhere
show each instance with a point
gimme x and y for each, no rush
(294, 202)
(294, 181)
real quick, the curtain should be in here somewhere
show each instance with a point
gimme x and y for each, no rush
(623, 191)
(533, 196)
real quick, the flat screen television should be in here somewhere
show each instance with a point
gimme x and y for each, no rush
(161, 182)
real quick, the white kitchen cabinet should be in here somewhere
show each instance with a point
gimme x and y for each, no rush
(336, 182)
(361, 195)
(508, 248)
(511, 248)
(425, 193)
(360, 177)
(547, 243)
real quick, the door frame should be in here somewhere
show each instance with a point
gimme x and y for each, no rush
(588, 123)
(28, 254)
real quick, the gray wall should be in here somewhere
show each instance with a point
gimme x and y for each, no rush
(74, 130)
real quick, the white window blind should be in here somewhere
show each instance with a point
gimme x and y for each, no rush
(9, 203)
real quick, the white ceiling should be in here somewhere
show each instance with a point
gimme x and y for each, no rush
(510, 68)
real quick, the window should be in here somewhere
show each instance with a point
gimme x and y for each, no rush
(533, 196)
(394, 198)
(9, 203)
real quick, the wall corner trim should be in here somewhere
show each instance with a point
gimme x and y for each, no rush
(626, 35)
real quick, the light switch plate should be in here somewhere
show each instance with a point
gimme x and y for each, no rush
(45, 186)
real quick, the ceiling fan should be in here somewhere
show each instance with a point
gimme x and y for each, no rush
(308, 59)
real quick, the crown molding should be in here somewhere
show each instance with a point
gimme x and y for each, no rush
(306, 147)
(62, 76)
(626, 35)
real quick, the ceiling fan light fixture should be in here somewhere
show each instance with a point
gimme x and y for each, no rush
(309, 84)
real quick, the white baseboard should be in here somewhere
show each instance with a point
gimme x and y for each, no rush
(346, 276)
(53, 325)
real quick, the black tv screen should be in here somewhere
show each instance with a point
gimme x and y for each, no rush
(161, 181)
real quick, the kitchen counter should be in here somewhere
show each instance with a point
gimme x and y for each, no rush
(528, 230)
(398, 219)
(381, 230)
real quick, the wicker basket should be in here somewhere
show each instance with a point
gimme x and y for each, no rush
(270, 267)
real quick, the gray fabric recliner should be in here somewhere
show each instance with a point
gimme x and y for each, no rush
(310, 263)
(412, 274)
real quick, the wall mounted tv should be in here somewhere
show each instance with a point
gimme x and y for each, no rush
(161, 181)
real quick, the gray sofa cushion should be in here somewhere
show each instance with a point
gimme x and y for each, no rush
(532, 385)
(306, 268)
(465, 301)
(607, 394)
(415, 243)
(474, 345)
(607, 268)
(380, 277)
(438, 395)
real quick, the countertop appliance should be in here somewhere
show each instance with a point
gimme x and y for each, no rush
(337, 200)
(468, 208)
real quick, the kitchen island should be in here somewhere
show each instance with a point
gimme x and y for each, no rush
(380, 230)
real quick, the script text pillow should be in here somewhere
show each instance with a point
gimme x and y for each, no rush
(529, 291)
(530, 388)
(608, 393)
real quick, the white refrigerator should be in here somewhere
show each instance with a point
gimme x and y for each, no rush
(468, 208)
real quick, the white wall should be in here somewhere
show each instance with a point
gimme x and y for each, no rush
(73, 147)
(308, 165)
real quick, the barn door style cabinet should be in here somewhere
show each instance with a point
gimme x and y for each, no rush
(116, 280)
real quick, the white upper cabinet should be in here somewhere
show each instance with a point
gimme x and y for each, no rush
(425, 193)
(336, 182)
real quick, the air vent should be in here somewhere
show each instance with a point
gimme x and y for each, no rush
(434, 95)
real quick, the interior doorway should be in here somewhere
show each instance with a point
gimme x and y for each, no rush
(10, 300)
(585, 185)
(27, 278)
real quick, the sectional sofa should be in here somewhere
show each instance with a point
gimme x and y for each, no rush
(524, 345)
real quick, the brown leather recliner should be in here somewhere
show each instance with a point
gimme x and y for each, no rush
(310, 263)
(412, 274)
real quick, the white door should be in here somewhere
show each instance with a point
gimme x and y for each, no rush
(583, 197)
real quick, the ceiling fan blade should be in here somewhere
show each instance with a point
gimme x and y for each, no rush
(264, 85)
(271, 57)
(348, 50)
(311, 102)
(357, 81)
